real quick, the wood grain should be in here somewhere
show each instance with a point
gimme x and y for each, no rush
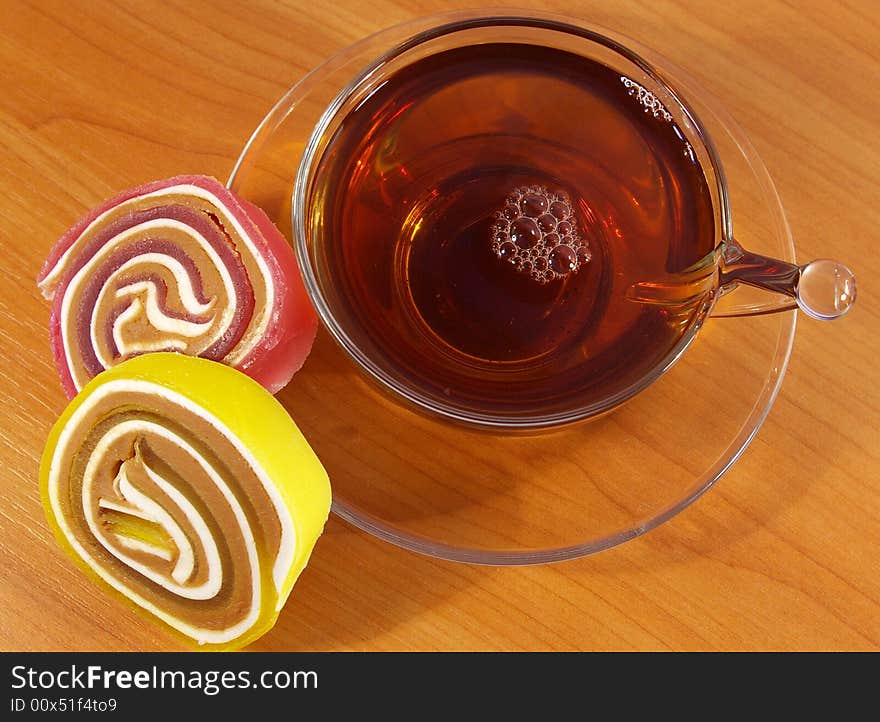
(781, 554)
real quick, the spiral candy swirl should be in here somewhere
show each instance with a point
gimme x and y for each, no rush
(178, 265)
(185, 488)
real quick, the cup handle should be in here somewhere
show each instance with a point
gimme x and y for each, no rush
(824, 289)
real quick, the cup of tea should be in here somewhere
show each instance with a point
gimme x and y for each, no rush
(516, 222)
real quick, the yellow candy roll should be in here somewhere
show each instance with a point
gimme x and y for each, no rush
(183, 486)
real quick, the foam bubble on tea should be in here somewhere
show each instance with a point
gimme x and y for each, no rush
(537, 234)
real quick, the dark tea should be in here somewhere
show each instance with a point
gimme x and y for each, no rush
(484, 216)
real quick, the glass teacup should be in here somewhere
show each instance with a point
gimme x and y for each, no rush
(448, 491)
(513, 381)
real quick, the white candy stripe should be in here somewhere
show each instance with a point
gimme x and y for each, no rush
(122, 508)
(130, 542)
(154, 512)
(134, 347)
(150, 227)
(120, 322)
(243, 348)
(287, 544)
(140, 546)
(186, 558)
(156, 316)
(182, 280)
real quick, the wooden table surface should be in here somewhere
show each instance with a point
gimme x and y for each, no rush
(98, 96)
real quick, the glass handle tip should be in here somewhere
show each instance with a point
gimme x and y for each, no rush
(826, 289)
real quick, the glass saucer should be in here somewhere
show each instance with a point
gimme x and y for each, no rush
(496, 498)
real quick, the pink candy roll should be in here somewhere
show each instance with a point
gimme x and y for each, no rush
(177, 265)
